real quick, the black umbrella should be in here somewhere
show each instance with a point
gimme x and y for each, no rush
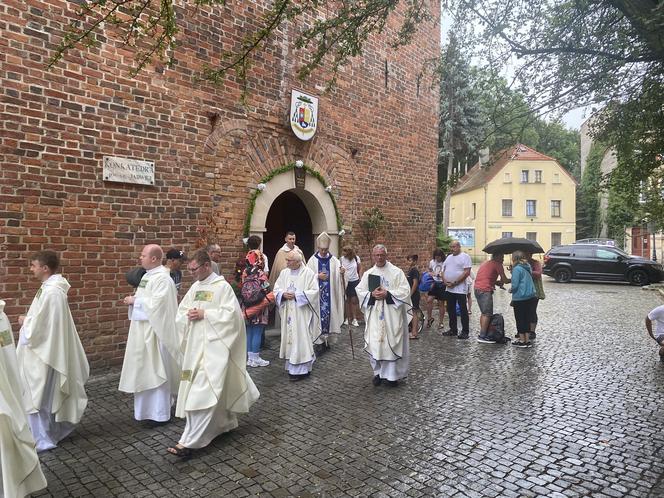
(508, 245)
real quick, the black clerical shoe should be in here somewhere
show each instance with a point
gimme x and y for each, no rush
(392, 383)
(376, 381)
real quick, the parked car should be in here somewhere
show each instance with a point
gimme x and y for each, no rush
(600, 241)
(599, 262)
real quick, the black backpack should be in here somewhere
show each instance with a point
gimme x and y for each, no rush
(496, 330)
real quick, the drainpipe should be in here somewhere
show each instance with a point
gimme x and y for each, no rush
(486, 221)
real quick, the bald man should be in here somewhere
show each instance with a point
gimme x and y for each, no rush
(152, 362)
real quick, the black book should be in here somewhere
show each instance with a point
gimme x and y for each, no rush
(374, 282)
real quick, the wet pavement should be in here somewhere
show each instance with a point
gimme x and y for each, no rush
(579, 414)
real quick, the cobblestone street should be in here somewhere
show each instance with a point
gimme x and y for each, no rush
(579, 414)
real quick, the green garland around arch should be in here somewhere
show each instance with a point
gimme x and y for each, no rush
(278, 171)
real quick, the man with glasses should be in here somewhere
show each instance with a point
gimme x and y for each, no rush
(384, 296)
(215, 385)
(151, 367)
(296, 293)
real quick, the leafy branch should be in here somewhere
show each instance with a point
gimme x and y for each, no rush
(151, 26)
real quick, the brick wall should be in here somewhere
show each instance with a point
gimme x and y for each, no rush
(376, 143)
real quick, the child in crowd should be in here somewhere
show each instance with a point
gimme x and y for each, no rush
(413, 277)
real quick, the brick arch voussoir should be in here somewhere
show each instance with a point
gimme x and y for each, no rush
(265, 153)
(221, 130)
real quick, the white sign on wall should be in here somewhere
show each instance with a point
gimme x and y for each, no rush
(125, 170)
(303, 115)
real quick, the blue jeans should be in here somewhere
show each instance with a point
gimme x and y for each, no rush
(254, 334)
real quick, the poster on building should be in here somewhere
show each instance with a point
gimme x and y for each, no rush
(303, 115)
(465, 236)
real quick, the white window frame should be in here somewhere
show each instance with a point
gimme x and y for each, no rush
(534, 215)
(560, 208)
(502, 208)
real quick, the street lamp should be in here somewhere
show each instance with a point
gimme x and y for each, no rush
(651, 227)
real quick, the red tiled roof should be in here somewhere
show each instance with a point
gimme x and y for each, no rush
(478, 176)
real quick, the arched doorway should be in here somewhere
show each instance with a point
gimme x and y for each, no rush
(287, 213)
(309, 210)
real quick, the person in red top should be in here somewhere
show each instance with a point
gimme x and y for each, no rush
(485, 282)
(536, 267)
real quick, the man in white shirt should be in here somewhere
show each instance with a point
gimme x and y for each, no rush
(657, 316)
(456, 269)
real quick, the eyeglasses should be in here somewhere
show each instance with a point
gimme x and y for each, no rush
(194, 269)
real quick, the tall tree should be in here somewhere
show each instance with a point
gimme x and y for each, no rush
(563, 55)
(588, 213)
(461, 123)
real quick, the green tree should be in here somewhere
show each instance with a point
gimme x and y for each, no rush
(588, 214)
(563, 55)
(151, 29)
(623, 207)
(460, 122)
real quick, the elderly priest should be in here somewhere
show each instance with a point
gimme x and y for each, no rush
(384, 296)
(296, 292)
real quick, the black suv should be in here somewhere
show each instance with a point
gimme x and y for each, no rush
(599, 262)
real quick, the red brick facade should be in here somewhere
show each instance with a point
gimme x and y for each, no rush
(376, 144)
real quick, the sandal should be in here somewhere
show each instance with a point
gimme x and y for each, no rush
(429, 322)
(413, 337)
(179, 451)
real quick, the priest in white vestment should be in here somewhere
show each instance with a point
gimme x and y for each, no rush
(296, 293)
(51, 360)
(329, 274)
(151, 367)
(20, 472)
(279, 262)
(384, 296)
(214, 385)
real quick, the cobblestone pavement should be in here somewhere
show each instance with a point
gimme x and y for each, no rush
(579, 414)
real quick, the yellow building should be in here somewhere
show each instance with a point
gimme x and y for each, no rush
(520, 193)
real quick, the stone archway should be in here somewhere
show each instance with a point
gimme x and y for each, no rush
(316, 200)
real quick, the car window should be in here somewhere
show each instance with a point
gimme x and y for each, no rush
(584, 252)
(606, 254)
(560, 251)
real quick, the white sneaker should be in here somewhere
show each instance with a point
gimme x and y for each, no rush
(355, 324)
(260, 362)
(345, 322)
(251, 363)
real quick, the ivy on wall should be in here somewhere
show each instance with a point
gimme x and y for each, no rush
(278, 171)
